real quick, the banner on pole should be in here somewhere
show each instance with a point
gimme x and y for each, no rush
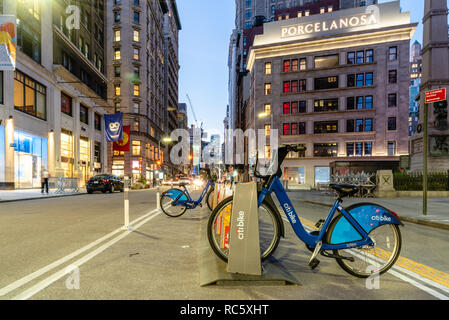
(123, 145)
(7, 42)
(113, 126)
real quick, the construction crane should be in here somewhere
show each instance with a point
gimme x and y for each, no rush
(193, 112)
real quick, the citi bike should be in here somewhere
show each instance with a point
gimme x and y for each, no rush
(364, 238)
(175, 202)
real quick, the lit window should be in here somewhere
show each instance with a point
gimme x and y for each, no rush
(117, 90)
(267, 129)
(307, 13)
(117, 54)
(268, 68)
(136, 90)
(299, 14)
(136, 36)
(136, 148)
(267, 109)
(322, 10)
(117, 35)
(330, 9)
(136, 54)
(267, 89)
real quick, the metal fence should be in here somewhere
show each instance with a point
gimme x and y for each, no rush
(413, 181)
(64, 185)
(364, 180)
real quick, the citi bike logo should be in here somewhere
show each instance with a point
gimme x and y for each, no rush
(380, 218)
(241, 225)
(289, 211)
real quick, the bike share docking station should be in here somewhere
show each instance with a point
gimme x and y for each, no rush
(239, 232)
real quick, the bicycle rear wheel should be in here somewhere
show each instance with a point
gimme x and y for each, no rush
(167, 199)
(369, 260)
(219, 224)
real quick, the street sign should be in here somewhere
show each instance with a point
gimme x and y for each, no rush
(435, 95)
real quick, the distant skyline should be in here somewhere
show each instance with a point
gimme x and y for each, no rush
(203, 56)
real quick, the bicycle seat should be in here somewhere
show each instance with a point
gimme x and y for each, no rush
(345, 190)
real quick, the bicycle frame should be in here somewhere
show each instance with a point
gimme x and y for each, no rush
(308, 238)
(190, 203)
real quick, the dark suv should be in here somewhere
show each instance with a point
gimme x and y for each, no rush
(104, 183)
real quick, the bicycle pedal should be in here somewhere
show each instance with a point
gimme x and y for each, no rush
(319, 223)
(314, 263)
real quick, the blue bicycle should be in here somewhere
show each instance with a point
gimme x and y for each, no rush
(175, 202)
(364, 238)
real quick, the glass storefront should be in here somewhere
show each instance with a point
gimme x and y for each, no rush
(118, 168)
(322, 175)
(30, 157)
(67, 153)
(295, 176)
(84, 160)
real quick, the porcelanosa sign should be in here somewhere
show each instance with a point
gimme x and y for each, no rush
(370, 17)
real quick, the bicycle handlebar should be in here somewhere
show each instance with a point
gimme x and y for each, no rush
(282, 154)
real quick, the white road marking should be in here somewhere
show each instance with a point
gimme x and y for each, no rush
(34, 275)
(61, 273)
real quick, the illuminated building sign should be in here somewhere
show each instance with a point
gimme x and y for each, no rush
(355, 21)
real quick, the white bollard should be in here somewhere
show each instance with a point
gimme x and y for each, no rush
(158, 199)
(126, 203)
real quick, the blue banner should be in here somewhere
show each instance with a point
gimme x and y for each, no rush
(113, 126)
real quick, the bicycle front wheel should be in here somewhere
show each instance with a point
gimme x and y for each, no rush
(210, 199)
(376, 259)
(219, 225)
(167, 199)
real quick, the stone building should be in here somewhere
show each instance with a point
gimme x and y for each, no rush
(337, 83)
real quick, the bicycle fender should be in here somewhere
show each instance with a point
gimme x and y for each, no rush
(368, 215)
(174, 193)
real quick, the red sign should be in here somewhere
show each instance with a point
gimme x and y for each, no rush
(123, 145)
(435, 95)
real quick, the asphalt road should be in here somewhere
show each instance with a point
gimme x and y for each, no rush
(159, 259)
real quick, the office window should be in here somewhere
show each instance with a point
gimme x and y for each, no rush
(325, 149)
(294, 86)
(350, 103)
(136, 90)
(392, 100)
(29, 95)
(116, 16)
(302, 128)
(286, 108)
(350, 80)
(326, 61)
(117, 54)
(136, 2)
(307, 13)
(350, 125)
(299, 13)
(325, 127)
(302, 106)
(295, 66)
(117, 89)
(136, 17)
(369, 56)
(326, 83)
(330, 8)
(136, 35)
(97, 123)
(360, 80)
(267, 89)
(302, 64)
(359, 125)
(350, 149)
(136, 107)
(136, 54)
(117, 72)
(267, 108)
(84, 114)
(267, 129)
(369, 79)
(136, 146)
(393, 53)
(286, 87)
(136, 125)
(392, 123)
(325, 105)
(248, 25)
(360, 103)
(360, 57)
(391, 148)
(286, 129)
(392, 76)
(322, 10)
(117, 35)
(368, 125)
(294, 129)
(368, 102)
(66, 104)
(294, 107)
(268, 68)
(287, 66)
(351, 58)
(368, 149)
(248, 14)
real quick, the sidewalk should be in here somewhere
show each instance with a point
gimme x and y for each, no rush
(408, 209)
(32, 194)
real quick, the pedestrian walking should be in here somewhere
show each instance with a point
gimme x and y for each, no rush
(44, 179)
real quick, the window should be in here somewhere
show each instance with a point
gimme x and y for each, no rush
(360, 103)
(136, 125)
(267, 129)
(136, 54)
(1, 85)
(294, 87)
(267, 108)
(302, 128)
(294, 129)
(391, 148)
(286, 86)
(295, 65)
(368, 148)
(350, 103)
(268, 68)
(117, 54)
(359, 149)
(294, 106)
(302, 64)
(117, 89)
(117, 71)
(327, 61)
(136, 107)
(393, 53)
(117, 107)
(369, 56)
(136, 17)
(350, 125)
(136, 2)
(117, 35)
(136, 148)
(84, 114)
(392, 76)
(360, 58)
(326, 83)
(29, 96)
(66, 104)
(286, 129)
(287, 66)
(287, 108)
(392, 100)
(116, 16)
(97, 122)
(302, 106)
(350, 80)
(351, 58)
(97, 152)
(326, 105)
(368, 102)
(248, 25)
(325, 149)
(359, 125)
(369, 80)
(322, 10)
(267, 89)
(325, 127)
(360, 80)
(368, 125)
(136, 91)
(136, 35)
(392, 123)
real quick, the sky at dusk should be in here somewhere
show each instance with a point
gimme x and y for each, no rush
(203, 55)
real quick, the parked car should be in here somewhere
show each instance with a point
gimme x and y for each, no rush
(184, 180)
(105, 183)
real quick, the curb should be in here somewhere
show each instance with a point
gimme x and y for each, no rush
(406, 219)
(42, 198)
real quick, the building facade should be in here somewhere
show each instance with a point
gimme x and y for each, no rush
(143, 81)
(338, 84)
(53, 104)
